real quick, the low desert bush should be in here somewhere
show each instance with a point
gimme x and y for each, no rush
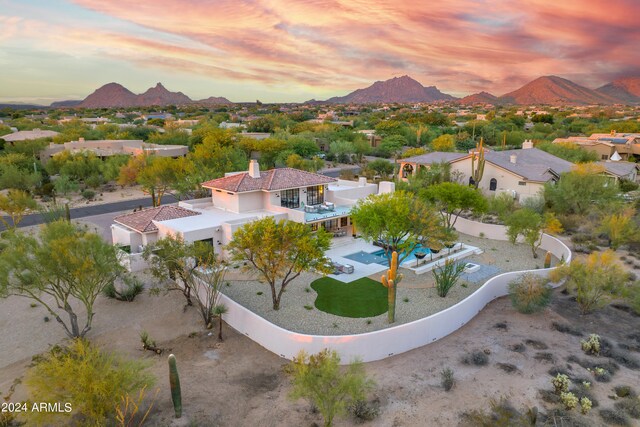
(364, 411)
(530, 293)
(446, 379)
(88, 194)
(446, 276)
(615, 418)
(630, 406)
(566, 329)
(94, 381)
(127, 290)
(500, 414)
(476, 358)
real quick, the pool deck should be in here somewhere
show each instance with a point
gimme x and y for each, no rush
(347, 245)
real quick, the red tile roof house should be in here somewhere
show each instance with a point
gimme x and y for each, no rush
(238, 198)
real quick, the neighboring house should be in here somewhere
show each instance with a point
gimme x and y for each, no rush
(111, 147)
(25, 135)
(256, 135)
(229, 125)
(521, 173)
(606, 145)
(621, 170)
(374, 140)
(239, 198)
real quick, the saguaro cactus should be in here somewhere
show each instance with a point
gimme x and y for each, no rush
(477, 164)
(174, 381)
(547, 260)
(390, 281)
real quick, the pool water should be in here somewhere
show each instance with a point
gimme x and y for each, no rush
(379, 257)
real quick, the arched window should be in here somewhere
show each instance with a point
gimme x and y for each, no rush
(407, 170)
(493, 184)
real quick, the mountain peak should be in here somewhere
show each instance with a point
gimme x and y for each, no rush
(554, 90)
(626, 89)
(403, 89)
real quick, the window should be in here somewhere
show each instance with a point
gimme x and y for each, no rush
(314, 226)
(522, 183)
(315, 195)
(407, 170)
(343, 221)
(290, 198)
(605, 157)
(493, 184)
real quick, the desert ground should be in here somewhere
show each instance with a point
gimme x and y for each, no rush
(238, 383)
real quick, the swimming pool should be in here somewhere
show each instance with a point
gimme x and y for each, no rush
(379, 256)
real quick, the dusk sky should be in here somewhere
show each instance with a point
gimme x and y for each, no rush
(289, 50)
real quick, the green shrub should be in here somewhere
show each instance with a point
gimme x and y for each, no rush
(319, 379)
(127, 291)
(530, 293)
(88, 194)
(446, 379)
(364, 411)
(476, 358)
(94, 382)
(630, 406)
(614, 417)
(446, 276)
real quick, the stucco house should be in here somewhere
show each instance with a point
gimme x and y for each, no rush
(621, 170)
(238, 198)
(110, 147)
(521, 173)
(27, 135)
(608, 146)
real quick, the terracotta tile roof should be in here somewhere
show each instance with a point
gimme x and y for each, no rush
(142, 221)
(271, 180)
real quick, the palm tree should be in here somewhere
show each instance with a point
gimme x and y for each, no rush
(218, 311)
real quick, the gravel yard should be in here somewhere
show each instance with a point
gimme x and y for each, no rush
(416, 297)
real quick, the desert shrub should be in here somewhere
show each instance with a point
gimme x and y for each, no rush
(566, 329)
(500, 414)
(502, 206)
(509, 368)
(88, 194)
(601, 374)
(476, 358)
(446, 276)
(538, 345)
(560, 383)
(529, 293)
(594, 281)
(446, 379)
(591, 345)
(624, 391)
(629, 405)
(364, 411)
(543, 356)
(94, 381)
(615, 418)
(627, 185)
(126, 291)
(319, 379)
(518, 348)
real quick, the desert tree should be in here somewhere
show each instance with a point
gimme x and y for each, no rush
(66, 264)
(280, 251)
(531, 226)
(191, 267)
(451, 199)
(319, 379)
(399, 222)
(15, 203)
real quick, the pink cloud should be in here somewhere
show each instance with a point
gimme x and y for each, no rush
(462, 45)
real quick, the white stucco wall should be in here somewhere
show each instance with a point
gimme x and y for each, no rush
(252, 201)
(396, 339)
(224, 200)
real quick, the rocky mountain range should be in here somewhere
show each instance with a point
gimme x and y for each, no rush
(546, 90)
(114, 95)
(398, 89)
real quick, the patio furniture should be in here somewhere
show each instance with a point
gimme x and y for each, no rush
(311, 209)
(347, 268)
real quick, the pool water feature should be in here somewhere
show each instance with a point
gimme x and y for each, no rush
(379, 256)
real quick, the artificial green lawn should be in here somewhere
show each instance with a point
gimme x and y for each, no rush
(360, 298)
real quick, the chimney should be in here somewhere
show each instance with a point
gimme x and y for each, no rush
(362, 181)
(527, 144)
(613, 132)
(254, 169)
(81, 139)
(512, 158)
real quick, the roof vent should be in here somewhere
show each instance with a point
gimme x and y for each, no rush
(513, 158)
